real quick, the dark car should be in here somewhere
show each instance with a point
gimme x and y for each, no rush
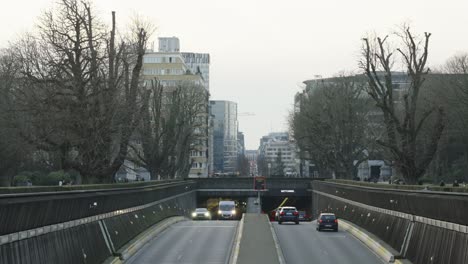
(327, 221)
(304, 216)
(288, 214)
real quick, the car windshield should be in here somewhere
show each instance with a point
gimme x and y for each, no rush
(201, 210)
(226, 207)
(288, 210)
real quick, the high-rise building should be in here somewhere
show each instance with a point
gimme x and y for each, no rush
(270, 148)
(252, 156)
(171, 44)
(169, 68)
(224, 136)
(198, 63)
(240, 144)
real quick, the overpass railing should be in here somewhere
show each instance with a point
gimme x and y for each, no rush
(248, 183)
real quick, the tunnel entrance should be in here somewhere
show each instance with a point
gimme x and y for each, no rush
(302, 203)
(211, 203)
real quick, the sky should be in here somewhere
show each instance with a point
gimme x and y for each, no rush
(262, 50)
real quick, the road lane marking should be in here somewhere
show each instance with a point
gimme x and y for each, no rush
(204, 226)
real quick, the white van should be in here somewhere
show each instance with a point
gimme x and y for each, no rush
(227, 210)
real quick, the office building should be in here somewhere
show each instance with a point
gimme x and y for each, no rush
(225, 142)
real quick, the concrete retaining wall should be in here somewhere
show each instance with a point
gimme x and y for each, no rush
(95, 238)
(419, 239)
(80, 244)
(431, 244)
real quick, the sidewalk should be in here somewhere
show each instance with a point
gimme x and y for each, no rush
(257, 243)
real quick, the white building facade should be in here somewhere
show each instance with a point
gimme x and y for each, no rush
(270, 148)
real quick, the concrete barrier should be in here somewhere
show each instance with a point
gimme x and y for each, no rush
(416, 239)
(237, 239)
(383, 250)
(137, 243)
(93, 239)
(431, 244)
(79, 244)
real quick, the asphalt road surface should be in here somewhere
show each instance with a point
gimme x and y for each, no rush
(303, 244)
(190, 242)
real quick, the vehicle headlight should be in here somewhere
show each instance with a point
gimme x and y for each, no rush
(233, 212)
(219, 212)
(194, 214)
(207, 214)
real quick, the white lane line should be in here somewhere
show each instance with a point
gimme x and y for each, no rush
(204, 226)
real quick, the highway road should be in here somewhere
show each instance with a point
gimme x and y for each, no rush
(190, 242)
(303, 244)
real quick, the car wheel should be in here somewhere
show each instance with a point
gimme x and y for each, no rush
(297, 222)
(336, 230)
(318, 229)
(279, 222)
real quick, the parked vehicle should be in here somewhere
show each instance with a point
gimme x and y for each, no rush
(227, 210)
(327, 221)
(201, 214)
(288, 214)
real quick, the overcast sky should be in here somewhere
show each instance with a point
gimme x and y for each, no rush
(262, 50)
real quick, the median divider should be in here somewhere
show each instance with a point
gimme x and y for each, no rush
(279, 251)
(382, 249)
(237, 239)
(257, 244)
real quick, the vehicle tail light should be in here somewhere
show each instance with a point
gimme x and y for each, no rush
(282, 213)
(336, 221)
(320, 221)
(296, 213)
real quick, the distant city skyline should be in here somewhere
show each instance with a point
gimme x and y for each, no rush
(261, 51)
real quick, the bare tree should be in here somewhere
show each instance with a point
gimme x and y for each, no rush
(13, 151)
(171, 127)
(331, 127)
(403, 128)
(81, 88)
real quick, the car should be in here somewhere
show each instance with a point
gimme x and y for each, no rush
(201, 214)
(227, 210)
(327, 221)
(277, 210)
(288, 214)
(304, 216)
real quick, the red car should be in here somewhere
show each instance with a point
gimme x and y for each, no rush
(304, 216)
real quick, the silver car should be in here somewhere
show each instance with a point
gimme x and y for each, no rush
(201, 214)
